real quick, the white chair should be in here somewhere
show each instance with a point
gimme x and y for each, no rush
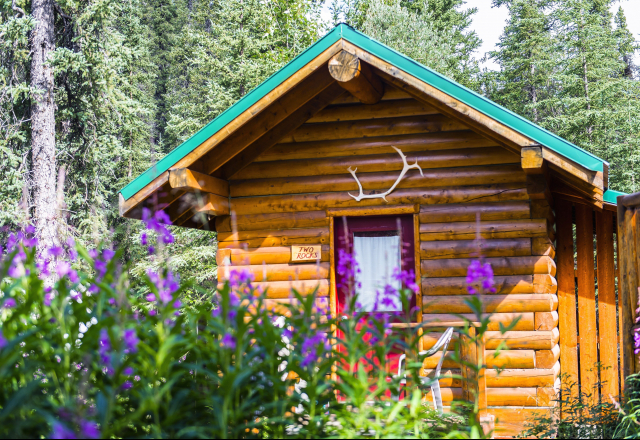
(434, 383)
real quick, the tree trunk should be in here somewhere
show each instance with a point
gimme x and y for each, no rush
(43, 125)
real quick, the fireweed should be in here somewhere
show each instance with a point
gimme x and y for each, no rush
(86, 357)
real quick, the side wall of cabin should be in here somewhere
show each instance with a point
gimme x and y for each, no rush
(289, 194)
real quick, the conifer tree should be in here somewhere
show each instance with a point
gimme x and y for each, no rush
(526, 57)
(590, 106)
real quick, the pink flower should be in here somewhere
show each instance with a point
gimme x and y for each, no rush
(480, 273)
(63, 268)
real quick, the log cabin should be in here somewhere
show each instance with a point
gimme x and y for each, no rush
(327, 148)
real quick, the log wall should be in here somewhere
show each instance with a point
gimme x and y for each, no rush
(289, 193)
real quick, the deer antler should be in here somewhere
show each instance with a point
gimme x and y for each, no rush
(405, 168)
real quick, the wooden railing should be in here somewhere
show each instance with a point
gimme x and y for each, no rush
(629, 278)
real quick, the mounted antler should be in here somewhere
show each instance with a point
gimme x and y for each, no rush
(405, 168)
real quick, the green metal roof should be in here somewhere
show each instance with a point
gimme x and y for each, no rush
(446, 85)
(611, 196)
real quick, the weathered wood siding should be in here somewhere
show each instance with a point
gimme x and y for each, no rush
(282, 197)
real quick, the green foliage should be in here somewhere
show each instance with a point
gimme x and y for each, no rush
(576, 414)
(433, 32)
(566, 64)
(88, 358)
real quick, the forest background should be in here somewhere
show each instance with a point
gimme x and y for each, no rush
(129, 80)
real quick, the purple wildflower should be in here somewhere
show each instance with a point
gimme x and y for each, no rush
(177, 304)
(127, 385)
(151, 297)
(100, 267)
(105, 349)
(232, 314)
(131, 341)
(30, 230)
(93, 254)
(151, 250)
(62, 432)
(238, 278)
(215, 313)
(313, 347)
(128, 371)
(63, 268)
(407, 278)
(9, 303)
(55, 252)
(48, 296)
(43, 268)
(480, 273)
(108, 254)
(3, 341)
(228, 341)
(89, 429)
(158, 223)
(636, 340)
(144, 239)
(347, 270)
(93, 289)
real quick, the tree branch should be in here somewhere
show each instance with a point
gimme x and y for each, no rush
(17, 8)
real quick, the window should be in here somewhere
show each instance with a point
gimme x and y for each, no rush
(378, 255)
(381, 244)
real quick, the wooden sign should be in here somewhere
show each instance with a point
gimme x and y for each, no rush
(301, 253)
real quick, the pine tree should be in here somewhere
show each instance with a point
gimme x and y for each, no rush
(627, 46)
(526, 57)
(433, 32)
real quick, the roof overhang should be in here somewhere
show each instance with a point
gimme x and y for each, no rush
(302, 87)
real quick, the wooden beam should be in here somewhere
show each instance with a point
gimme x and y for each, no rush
(586, 302)
(607, 304)
(532, 160)
(567, 293)
(356, 77)
(189, 180)
(132, 202)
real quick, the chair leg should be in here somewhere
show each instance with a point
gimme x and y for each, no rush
(437, 397)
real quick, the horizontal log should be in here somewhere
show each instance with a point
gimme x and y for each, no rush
(373, 210)
(547, 358)
(280, 220)
(282, 306)
(253, 239)
(463, 176)
(506, 247)
(316, 202)
(525, 320)
(374, 127)
(469, 211)
(384, 109)
(508, 378)
(493, 359)
(543, 246)
(286, 272)
(390, 93)
(495, 396)
(514, 340)
(265, 255)
(546, 320)
(501, 266)
(488, 229)
(503, 285)
(510, 422)
(449, 378)
(513, 378)
(537, 340)
(282, 289)
(550, 396)
(391, 161)
(408, 143)
(513, 303)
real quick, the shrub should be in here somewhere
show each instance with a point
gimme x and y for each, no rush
(81, 356)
